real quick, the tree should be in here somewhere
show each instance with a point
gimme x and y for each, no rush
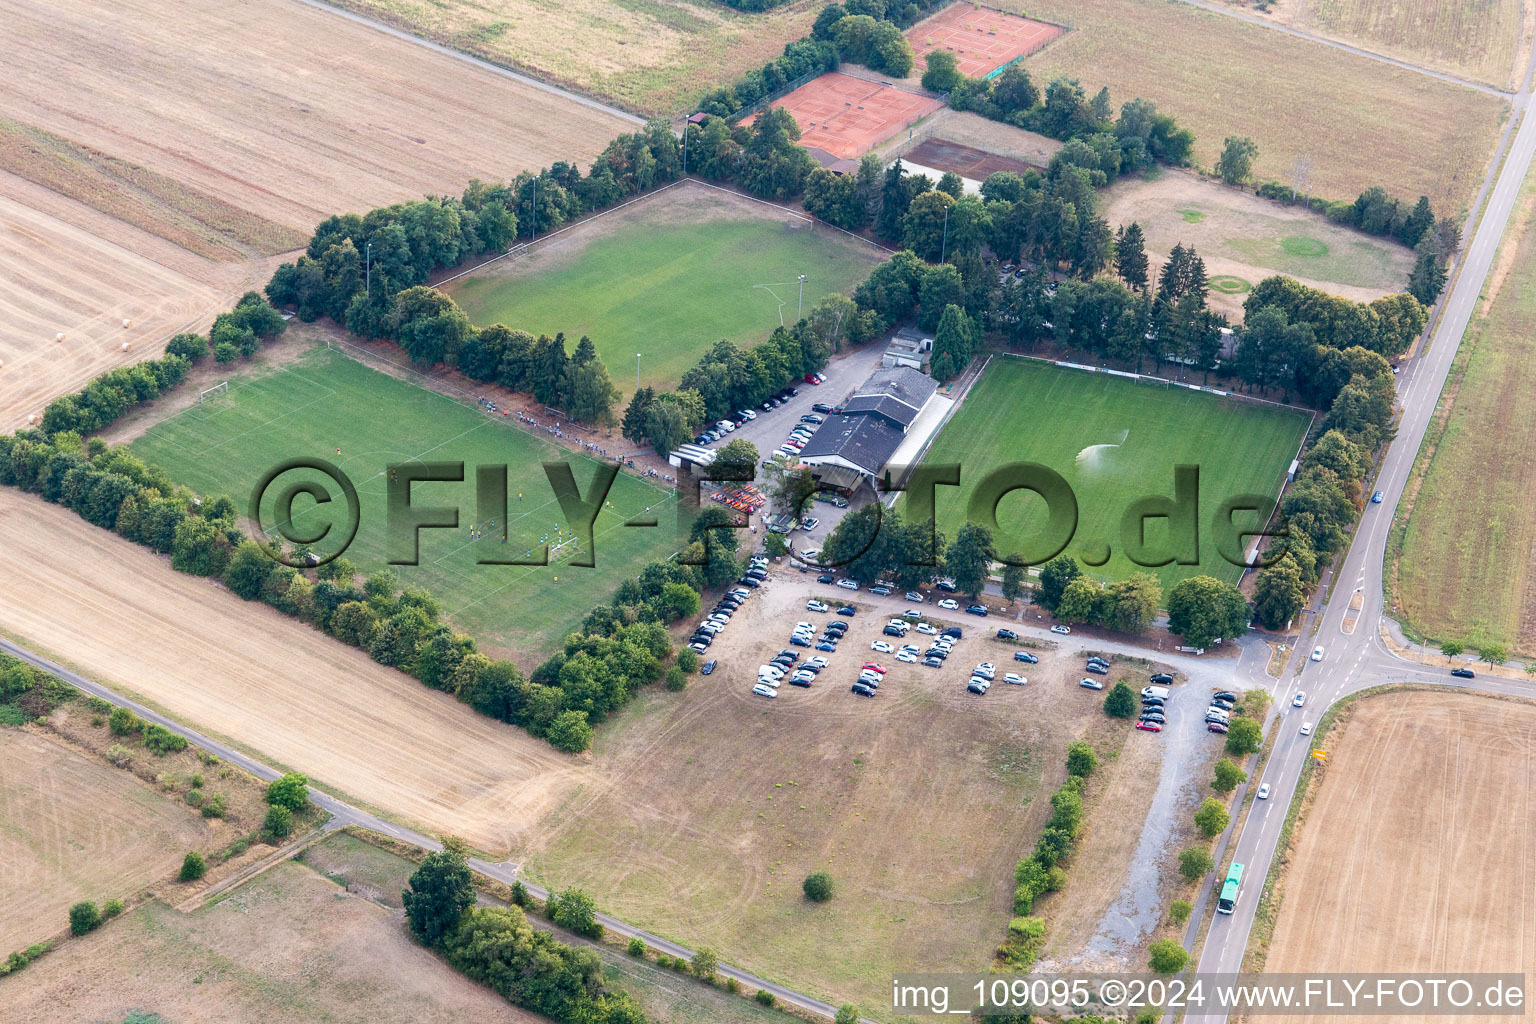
(1279, 592)
(193, 867)
(1130, 605)
(1179, 911)
(290, 791)
(1013, 579)
(1236, 163)
(570, 732)
(1054, 577)
(1082, 601)
(589, 393)
(736, 461)
(1195, 863)
(83, 917)
(438, 894)
(1493, 654)
(1452, 649)
(1212, 817)
(969, 557)
(634, 425)
(1167, 956)
(1131, 256)
(665, 427)
(278, 823)
(923, 228)
(574, 909)
(704, 964)
(953, 343)
(1228, 776)
(817, 887)
(1244, 736)
(943, 71)
(1203, 609)
(1120, 702)
(1081, 760)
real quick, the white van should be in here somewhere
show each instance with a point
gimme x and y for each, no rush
(769, 672)
(1155, 691)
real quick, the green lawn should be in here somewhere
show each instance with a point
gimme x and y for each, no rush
(667, 279)
(1028, 411)
(327, 401)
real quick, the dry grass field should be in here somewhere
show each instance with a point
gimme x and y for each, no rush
(711, 806)
(119, 614)
(650, 56)
(155, 155)
(1463, 569)
(73, 828)
(1415, 853)
(1219, 76)
(1242, 236)
(287, 948)
(1482, 42)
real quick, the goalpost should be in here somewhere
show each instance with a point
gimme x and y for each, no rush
(563, 550)
(217, 391)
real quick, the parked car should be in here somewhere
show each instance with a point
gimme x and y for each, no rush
(1003, 633)
(862, 690)
(911, 614)
(949, 604)
(977, 609)
(846, 609)
(848, 584)
(1094, 659)
(914, 597)
(810, 523)
(1463, 673)
(810, 418)
(872, 666)
(1215, 727)
(825, 579)
(976, 687)
(1096, 669)
(880, 591)
(1160, 679)
(1152, 702)
(954, 632)
(986, 670)
(800, 641)
(814, 605)
(894, 631)
(708, 667)
(763, 690)
(933, 662)
(1090, 684)
(924, 628)
(1150, 726)
(1025, 657)
(906, 656)
(882, 647)
(1224, 695)
(820, 407)
(948, 586)
(826, 645)
(1063, 630)
(1263, 793)
(1015, 679)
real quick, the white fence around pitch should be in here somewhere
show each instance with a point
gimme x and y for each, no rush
(1148, 378)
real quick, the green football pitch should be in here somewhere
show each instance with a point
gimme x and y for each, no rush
(1114, 441)
(326, 401)
(652, 281)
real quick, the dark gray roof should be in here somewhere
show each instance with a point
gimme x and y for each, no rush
(896, 392)
(865, 441)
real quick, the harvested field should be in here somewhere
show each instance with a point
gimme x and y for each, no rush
(74, 828)
(982, 39)
(1415, 853)
(164, 150)
(119, 614)
(1464, 570)
(848, 116)
(1483, 42)
(651, 56)
(1242, 236)
(286, 948)
(1220, 76)
(713, 805)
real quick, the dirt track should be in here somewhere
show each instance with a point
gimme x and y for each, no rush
(1417, 852)
(120, 614)
(285, 112)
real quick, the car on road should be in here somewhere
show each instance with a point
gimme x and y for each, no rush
(1004, 633)
(909, 657)
(1298, 700)
(1025, 657)
(846, 609)
(1306, 728)
(708, 667)
(914, 597)
(764, 690)
(977, 609)
(1215, 727)
(1014, 678)
(1317, 654)
(1162, 679)
(1090, 684)
(1063, 630)
(1376, 498)
(1263, 793)
(1463, 673)
(814, 605)
(882, 647)
(949, 604)
(847, 584)
(862, 690)
(1150, 726)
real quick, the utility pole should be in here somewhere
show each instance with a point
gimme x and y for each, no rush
(637, 371)
(535, 210)
(368, 272)
(800, 306)
(685, 148)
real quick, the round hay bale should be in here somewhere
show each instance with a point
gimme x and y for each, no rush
(59, 336)
(127, 323)
(32, 418)
(125, 346)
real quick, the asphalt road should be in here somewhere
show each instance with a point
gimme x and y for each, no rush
(1357, 660)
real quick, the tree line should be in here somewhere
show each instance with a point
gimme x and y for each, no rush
(1042, 871)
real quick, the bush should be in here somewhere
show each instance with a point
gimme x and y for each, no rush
(570, 732)
(704, 964)
(1179, 911)
(195, 797)
(197, 780)
(1168, 957)
(125, 723)
(278, 822)
(574, 909)
(291, 791)
(119, 756)
(162, 741)
(637, 947)
(765, 997)
(224, 352)
(1120, 702)
(1212, 817)
(1195, 863)
(688, 658)
(1081, 760)
(193, 867)
(731, 984)
(675, 678)
(519, 894)
(112, 908)
(84, 917)
(214, 806)
(817, 887)
(1228, 776)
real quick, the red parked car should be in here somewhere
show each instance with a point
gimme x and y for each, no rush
(871, 666)
(1149, 726)
(1215, 727)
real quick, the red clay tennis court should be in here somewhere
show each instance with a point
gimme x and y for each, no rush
(982, 39)
(847, 116)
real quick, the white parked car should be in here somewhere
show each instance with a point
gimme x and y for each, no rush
(949, 604)
(764, 691)
(848, 584)
(1063, 630)
(1015, 679)
(817, 662)
(882, 647)
(1263, 793)
(923, 627)
(907, 656)
(814, 605)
